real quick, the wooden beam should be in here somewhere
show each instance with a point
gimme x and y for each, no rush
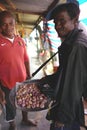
(11, 4)
(25, 11)
(50, 7)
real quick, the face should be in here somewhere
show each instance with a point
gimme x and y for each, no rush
(64, 24)
(8, 27)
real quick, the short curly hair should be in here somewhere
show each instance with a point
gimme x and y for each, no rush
(4, 14)
(71, 8)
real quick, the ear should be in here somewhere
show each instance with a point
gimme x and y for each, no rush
(76, 21)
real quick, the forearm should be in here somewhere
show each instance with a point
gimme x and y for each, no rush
(2, 97)
(27, 65)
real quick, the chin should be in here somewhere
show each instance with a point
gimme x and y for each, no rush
(61, 36)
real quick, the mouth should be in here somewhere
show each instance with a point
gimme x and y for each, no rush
(61, 31)
(10, 32)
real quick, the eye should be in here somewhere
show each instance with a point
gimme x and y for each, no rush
(3, 24)
(60, 21)
(11, 23)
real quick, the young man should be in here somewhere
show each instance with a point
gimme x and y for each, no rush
(70, 81)
(14, 65)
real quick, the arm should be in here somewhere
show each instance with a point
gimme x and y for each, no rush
(2, 97)
(27, 65)
(26, 61)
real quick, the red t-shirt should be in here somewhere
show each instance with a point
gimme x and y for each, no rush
(12, 58)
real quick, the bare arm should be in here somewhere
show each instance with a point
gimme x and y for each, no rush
(27, 65)
(2, 97)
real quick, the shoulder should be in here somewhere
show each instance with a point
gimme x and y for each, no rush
(79, 44)
(19, 39)
(81, 39)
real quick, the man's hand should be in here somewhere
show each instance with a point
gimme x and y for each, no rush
(2, 97)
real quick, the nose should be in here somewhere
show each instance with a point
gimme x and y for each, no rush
(58, 23)
(7, 25)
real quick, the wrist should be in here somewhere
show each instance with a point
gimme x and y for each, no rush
(28, 77)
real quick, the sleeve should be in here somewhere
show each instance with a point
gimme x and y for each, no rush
(74, 85)
(50, 79)
(76, 72)
(84, 70)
